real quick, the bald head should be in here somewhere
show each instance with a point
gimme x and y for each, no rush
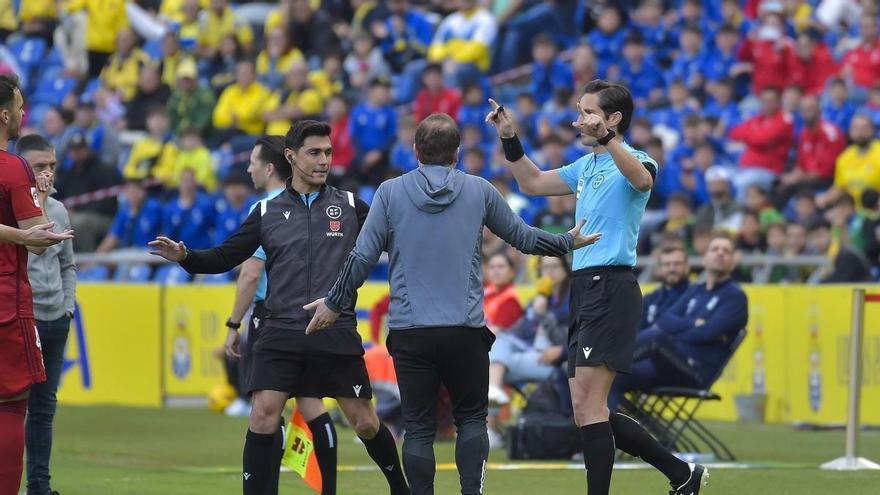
(437, 140)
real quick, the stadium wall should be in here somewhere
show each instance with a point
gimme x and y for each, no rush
(143, 345)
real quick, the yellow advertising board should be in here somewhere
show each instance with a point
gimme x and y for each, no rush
(194, 332)
(142, 344)
(112, 354)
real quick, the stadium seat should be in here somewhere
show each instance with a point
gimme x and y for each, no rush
(215, 278)
(668, 413)
(29, 53)
(53, 86)
(136, 273)
(171, 274)
(97, 273)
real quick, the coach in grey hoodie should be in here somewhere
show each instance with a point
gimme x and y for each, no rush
(53, 282)
(430, 221)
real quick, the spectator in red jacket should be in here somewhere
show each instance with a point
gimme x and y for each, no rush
(769, 50)
(340, 134)
(435, 96)
(768, 138)
(819, 144)
(861, 65)
(811, 63)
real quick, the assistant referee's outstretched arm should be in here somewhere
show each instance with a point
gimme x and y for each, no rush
(234, 251)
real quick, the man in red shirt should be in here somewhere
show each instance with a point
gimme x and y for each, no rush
(861, 65)
(436, 97)
(768, 49)
(21, 362)
(819, 144)
(811, 63)
(768, 137)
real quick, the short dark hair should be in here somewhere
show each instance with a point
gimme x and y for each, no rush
(870, 199)
(543, 39)
(673, 248)
(8, 85)
(613, 98)
(304, 129)
(32, 142)
(680, 197)
(437, 140)
(272, 151)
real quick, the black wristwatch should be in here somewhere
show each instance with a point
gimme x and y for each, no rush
(608, 137)
(233, 326)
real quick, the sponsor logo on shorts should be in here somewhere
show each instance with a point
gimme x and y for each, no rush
(357, 390)
(388, 468)
(587, 351)
(256, 322)
(247, 476)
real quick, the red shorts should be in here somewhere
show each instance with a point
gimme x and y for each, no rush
(21, 360)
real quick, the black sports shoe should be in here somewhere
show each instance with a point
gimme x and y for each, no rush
(699, 478)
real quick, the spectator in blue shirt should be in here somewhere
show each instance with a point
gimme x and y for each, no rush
(607, 39)
(672, 270)
(474, 109)
(721, 105)
(529, 115)
(689, 64)
(548, 72)
(839, 109)
(403, 157)
(673, 115)
(137, 222)
(473, 162)
(638, 71)
(686, 174)
(404, 38)
(556, 112)
(190, 216)
(687, 345)
(373, 128)
(690, 13)
(722, 58)
(232, 208)
(649, 22)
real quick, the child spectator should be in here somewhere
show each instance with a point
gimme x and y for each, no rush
(548, 72)
(189, 217)
(373, 126)
(194, 158)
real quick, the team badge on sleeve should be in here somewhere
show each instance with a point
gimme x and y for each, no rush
(35, 196)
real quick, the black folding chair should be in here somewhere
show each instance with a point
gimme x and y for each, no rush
(669, 413)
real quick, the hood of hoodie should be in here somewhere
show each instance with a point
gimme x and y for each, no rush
(432, 188)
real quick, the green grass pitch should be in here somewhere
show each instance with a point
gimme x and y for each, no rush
(129, 451)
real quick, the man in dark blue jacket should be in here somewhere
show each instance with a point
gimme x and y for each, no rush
(674, 277)
(687, 345)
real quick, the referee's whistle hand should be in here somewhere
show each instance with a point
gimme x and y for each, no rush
(323, 318)
(168, 249)
(501, 119)
(580, 240)
(231, 345)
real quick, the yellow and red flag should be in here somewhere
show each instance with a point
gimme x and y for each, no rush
(299, 452)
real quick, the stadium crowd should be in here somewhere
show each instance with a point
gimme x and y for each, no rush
(763, 114)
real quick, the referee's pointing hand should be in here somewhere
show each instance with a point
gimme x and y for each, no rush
(501, 119)
(324, 316)
(581, 240)
(168, 249)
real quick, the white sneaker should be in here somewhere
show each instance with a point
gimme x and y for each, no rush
(497, 396)
(496, 441)
(238, 408)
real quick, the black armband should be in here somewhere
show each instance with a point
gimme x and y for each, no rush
(513, 149)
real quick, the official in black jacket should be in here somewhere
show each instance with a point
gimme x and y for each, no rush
(307, 232)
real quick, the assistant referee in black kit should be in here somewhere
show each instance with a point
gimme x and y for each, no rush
(306, 232)
(430, 221)
(612, 185)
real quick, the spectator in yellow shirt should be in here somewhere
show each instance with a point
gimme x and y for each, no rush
(463, 42)
(194, 157)
(188, 30)
(172, 55)
(329, 79)
(241, 106)
(858, 167)
(154, 155)
(106, 18)
(124, 67)
(276, 59)
(219, 21)
(39, 18)
(296, 100)
(174, 10)
(8, 20)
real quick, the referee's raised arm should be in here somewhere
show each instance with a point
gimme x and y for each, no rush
(532, 180)
(234, 251)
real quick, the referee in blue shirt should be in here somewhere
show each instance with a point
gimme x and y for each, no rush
(612, 185)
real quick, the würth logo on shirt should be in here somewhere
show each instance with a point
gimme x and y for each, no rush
(335, 227)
